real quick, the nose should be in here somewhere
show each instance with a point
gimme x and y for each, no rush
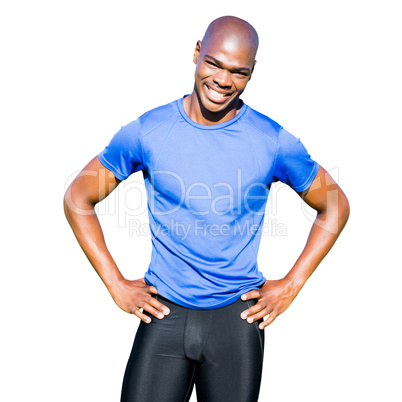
(223, 79)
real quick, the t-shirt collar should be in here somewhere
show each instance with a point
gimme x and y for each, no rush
(211, 126)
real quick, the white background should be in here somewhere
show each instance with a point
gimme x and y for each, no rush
(73, 72)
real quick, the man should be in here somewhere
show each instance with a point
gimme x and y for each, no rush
(208, 161)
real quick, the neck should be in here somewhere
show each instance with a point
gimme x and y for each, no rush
(199, 114)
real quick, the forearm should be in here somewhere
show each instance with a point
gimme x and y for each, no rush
(87, 229)
(332, 207)
(326, 229)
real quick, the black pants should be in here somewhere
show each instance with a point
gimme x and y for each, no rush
(214, 349)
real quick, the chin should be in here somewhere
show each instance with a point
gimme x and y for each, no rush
(214, 107)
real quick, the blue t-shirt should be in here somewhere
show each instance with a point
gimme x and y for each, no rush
(207, 188)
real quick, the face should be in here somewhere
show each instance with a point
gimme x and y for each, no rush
(223, 69)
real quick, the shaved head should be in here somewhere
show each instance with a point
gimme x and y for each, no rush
(225, 60)
(235, 29)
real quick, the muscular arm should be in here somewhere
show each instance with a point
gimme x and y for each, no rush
(93, 184)
(332, 207)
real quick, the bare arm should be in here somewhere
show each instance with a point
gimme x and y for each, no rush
(332, 207)
(93, 184)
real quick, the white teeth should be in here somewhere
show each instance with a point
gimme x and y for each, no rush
(216, 94)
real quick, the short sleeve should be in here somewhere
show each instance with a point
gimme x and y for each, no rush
(123, 155)
(293, 164)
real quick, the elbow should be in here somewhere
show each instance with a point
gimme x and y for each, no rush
(344, 206)
(335, 214)
(76, 205)
(68, 204)
(343, 211)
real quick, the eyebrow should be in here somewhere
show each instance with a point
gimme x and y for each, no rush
(234, 70)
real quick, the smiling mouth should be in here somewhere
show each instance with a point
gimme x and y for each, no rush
(216, 96)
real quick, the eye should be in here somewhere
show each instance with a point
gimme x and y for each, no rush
(242, 74)
(211, 63)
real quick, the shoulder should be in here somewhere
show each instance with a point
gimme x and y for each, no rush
(263, 124)
(155, 118)
(132, 133)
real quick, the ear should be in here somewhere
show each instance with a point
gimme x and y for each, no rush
(252, 70)
(197, 51)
